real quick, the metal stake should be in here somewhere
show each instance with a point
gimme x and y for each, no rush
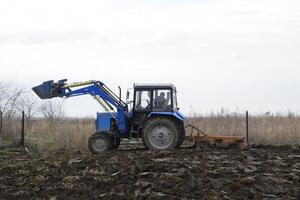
(247, 127)
(1, 120)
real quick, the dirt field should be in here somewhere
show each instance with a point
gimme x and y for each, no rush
(202, 173)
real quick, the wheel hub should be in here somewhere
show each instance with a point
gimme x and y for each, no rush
(161, 137)
(99, 144)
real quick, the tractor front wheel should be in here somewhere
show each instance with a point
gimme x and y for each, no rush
(160, 133)
(100, 143)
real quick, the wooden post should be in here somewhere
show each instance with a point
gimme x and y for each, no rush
(23, 130)
(1, 122)
(247, 127)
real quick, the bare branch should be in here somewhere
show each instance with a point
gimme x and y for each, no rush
(52, 110)
(29, 104)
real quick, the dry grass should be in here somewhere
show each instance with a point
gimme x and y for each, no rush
(65, 134)
(73, 134)
(274, 129)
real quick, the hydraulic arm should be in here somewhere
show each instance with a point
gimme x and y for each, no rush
(106, 98)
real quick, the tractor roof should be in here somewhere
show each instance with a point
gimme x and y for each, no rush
(154, 85)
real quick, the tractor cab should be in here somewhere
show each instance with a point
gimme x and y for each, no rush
(159, 97)
(152, 98)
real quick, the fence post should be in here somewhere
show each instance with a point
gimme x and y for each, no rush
(1, 119)
(247, 127)
(1, 122)
(23, 130)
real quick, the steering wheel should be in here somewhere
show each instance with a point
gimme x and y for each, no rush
(140, 107)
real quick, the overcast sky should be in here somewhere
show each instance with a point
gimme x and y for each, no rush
(231, 54)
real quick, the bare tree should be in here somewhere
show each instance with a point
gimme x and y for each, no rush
(52, 110)
(29, 103)
(12, 107)
(3, 91)
(9, 98)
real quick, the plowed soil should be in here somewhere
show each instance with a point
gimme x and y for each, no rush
(188, 173)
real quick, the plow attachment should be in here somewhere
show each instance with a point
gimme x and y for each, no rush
(221, 141)
(50, 89)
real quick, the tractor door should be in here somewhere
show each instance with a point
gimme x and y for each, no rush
(142, 106)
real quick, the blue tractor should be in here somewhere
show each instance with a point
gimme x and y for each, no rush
(150, 112)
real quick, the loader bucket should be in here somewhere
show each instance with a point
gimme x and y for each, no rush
(47, 90)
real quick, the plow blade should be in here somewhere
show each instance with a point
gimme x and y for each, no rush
(218, 140)
(48, 90)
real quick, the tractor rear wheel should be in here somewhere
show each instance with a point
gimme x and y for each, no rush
(160, 133)
(181, 138)
(100, 143)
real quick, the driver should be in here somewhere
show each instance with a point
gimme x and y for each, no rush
(160, 100)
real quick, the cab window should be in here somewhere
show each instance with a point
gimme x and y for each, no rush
(162, 100)
(129, 98)
(142, 100)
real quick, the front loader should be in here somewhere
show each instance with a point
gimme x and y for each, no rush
(150, 112)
